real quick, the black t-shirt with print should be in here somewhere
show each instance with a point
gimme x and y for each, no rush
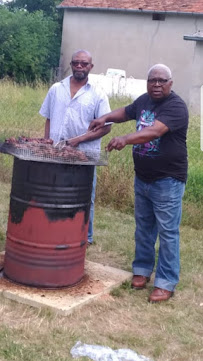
(165, 156)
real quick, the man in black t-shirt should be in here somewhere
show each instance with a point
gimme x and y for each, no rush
(160, 163)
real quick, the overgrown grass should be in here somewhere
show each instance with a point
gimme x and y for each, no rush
(19, 107)
(193, 198)
(165, 332)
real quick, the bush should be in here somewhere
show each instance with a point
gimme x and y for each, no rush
(30, 45)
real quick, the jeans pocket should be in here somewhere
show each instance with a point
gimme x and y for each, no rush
(167, 189)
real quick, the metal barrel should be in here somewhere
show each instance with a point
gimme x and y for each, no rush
(48, 223)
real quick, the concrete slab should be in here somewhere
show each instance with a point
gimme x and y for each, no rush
(98, 280)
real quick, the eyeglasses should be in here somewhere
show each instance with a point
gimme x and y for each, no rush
(83, 64)
(160, 81)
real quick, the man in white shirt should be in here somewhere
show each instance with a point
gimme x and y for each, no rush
(70, 106)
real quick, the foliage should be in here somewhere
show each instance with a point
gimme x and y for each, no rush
(47, 6)
(29, 45)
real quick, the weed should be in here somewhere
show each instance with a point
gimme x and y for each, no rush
(116, 292)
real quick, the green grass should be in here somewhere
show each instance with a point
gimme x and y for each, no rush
(124, 319)
(194, 189)
(19, 109)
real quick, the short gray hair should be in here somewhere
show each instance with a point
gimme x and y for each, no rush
(82, 51)
(161, 66)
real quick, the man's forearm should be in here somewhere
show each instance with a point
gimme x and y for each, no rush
(140, 137)
(116, 116)
(147, 134)
(47, 129)
(143, 136)
(90, 135)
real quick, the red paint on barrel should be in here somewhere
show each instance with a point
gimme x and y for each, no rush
(46, 253)
(48, 223)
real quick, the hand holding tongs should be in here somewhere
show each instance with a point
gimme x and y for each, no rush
(63, 142)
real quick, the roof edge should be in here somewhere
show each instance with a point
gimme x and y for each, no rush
(130, 10)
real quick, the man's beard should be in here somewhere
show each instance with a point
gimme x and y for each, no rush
(80, 75)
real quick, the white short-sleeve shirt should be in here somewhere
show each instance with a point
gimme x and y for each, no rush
(70, 117)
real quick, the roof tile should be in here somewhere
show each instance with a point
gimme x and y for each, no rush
(180, 6)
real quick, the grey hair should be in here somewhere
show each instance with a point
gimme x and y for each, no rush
(82, 51)
(161, 66)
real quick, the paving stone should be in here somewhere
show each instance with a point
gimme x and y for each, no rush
(97, 281)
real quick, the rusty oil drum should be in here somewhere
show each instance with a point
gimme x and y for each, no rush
(48, 223)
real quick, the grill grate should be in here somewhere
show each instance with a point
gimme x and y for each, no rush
(42, 150)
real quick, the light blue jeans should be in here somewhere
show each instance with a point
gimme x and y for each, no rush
(91, 216)
(158, 209)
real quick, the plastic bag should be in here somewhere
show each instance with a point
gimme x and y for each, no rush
(101, 353)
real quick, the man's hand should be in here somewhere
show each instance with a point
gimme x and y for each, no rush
(116, 116)
(117, 143)
(96, 124)
(73, 142)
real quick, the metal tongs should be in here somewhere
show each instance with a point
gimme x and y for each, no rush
(64, 142)
(61, 144)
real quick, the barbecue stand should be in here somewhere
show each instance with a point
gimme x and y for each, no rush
(49, 213)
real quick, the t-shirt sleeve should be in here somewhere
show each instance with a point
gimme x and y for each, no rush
(174, 115)
(131, 110)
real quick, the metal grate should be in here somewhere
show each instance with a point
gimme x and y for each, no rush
(42, 150)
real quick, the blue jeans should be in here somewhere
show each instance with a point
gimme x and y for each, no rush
(158, 209)
(91, 216)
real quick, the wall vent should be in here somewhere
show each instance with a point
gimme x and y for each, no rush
(158, 16)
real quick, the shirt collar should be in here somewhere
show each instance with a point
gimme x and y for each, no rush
(66, 82)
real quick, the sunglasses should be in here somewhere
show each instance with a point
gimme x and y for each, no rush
(83, 64)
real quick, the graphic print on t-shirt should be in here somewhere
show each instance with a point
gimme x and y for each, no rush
(151, 148)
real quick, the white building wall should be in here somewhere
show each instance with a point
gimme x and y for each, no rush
(134, 42)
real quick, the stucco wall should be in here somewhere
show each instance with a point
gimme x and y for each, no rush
(134, 42)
